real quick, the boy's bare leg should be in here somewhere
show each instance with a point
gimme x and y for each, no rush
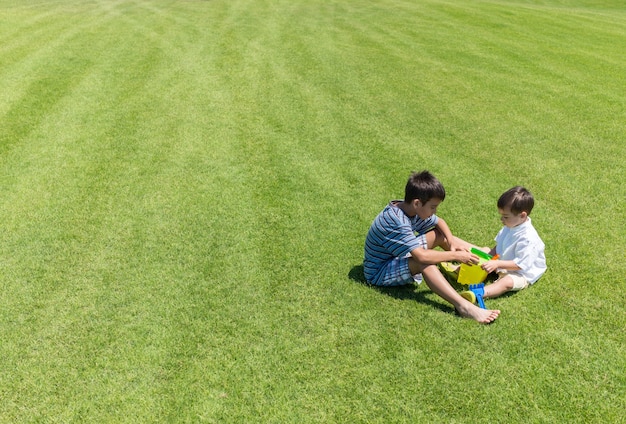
(436, 239)
(498, 287)
(440, 286)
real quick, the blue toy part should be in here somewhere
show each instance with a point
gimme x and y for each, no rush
(479, 291)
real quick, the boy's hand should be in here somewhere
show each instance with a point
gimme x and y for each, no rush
(454, 246)
(466, 257)
(490, 266)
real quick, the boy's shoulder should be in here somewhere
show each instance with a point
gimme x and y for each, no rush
(391, 208)
(391, 215)
(528, 231)
(529, 225)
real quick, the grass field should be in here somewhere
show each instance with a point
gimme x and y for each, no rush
(185, 189)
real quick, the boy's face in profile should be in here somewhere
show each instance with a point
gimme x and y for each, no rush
(509, 219)
(428, 209)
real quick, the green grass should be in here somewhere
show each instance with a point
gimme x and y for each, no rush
(185, 188)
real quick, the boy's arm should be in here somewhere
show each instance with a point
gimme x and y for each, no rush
(493, 265)
(525, 252)
(433, 257)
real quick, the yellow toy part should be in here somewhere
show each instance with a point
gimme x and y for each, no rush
(474, 274)
(468, 295)
(449, 270)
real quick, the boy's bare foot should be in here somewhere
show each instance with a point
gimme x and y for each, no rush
(483, 316)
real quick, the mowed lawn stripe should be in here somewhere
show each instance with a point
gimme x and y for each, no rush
(108, 184)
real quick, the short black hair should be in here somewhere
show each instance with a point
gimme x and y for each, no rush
(423, 186)
(518, 199)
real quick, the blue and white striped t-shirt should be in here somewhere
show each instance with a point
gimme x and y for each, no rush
(393, 235)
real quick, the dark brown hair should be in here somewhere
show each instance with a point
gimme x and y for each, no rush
(518, 199)
(423, 186)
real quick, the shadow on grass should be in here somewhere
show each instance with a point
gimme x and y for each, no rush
(407, 292)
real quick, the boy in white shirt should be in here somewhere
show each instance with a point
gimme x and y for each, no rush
(521, 260)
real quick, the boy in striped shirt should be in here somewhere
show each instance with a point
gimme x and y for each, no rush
(399, 245)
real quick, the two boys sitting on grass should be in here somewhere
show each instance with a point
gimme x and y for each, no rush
(401, 241)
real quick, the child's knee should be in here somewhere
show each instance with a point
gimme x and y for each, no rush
(517, 282)
(435, 238)
(513, 282)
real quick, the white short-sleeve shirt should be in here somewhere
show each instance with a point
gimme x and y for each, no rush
(523, 245)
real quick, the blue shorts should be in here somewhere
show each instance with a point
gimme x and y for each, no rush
(396, 272)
